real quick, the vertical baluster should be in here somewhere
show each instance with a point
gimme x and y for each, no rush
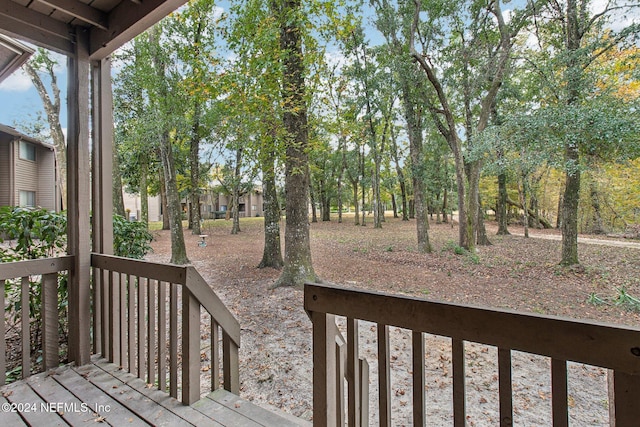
(151, 333)
(110, 331)
(384, 378)
(215, 355)
(457, 360)
(25, 326)
(624, 390)
(122, 323)
(559, 393)
(190, 348)
(142, 333)
(353, 374)
(418, 378)
(341, 362)
(104, 299)
(231, 368)
(131, 318)
(3, 343)
(505, 387)
(114, 317)
(50, 338)
(173, 340)
(324, 367)
(363, 385)
(162, 336)
(97, 311)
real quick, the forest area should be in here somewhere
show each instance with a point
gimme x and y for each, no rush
(519, 112)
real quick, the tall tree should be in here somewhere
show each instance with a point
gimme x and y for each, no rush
(298, 267)
(392, 24)
(193, 32)
(39, 68)
(164, 108)
(480, 44)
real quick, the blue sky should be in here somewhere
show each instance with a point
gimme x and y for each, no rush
(19, 100)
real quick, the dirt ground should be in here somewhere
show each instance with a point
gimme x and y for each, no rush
(514, 273)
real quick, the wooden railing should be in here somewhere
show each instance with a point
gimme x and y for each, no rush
(137, 324)
(24, 275)
(562, 340)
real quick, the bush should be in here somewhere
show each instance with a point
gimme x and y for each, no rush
(130, 238)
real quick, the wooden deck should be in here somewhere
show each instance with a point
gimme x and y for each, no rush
(101, 393)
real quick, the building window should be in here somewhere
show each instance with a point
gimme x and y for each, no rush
(27, 199)
(27, 151)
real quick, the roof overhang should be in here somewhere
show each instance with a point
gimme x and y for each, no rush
(53, 24)
(12, 55)
(15, 135)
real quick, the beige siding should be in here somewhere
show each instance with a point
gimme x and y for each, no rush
(26, 174)
(4, 171)
(18, 174)
(46, 193)
(132, 204)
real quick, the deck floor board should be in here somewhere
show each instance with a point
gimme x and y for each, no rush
(100, 392)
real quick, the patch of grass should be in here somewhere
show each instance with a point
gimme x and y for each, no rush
(388, 249)
(622, 299)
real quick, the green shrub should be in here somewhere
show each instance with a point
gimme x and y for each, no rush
(131, 239)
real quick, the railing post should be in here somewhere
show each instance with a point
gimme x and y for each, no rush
(324, 370)
(231, 368)
(624, 394)
(190, 348)
(50, 336)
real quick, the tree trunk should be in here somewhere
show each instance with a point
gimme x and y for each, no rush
(163, 201)
(174, 210)
(559, 214)
(118, 197)
(482, 238)
(598, 224)
(501, 211)
(416, 156)
(354, 184)
(144, 193)
(472, 204)
(272, 253)
(314, 208)
(340, 178)
(570, 203)
(445, 201)
(571, 199)
(194, 170)
(326, 203)
(52, 110)
(394, 205)
(298, 267)
(235, 196)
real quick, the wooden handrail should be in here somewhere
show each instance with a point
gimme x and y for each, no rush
(32, 267)
(210, 302)
(48, 269)
(137, 267)
(599, 344)
(610, 346)
(130, 300)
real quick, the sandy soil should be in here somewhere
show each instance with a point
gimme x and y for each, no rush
(514, 273)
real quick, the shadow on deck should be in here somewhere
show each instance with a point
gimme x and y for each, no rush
(100, 392)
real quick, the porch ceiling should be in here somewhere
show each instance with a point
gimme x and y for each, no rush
(12, 56)
(53, 23)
